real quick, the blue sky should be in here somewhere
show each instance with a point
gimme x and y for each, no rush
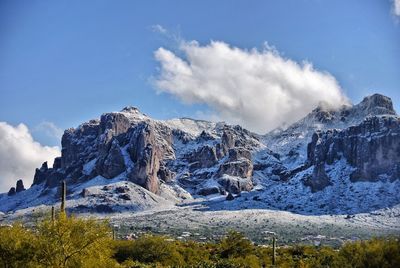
(65, 62)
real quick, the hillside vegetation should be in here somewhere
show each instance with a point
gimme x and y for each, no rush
(76, 242)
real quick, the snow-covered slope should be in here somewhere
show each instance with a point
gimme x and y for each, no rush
(341, 161)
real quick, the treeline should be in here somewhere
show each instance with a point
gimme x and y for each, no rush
(74, 242)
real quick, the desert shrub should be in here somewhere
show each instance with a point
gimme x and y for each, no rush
(74, 242)
(234, 245)
(326, 257)
(17, 246)
(193, 253)
(123, 250)
(372, 253)
(150, 249)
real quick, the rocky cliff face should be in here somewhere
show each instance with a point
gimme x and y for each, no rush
(328, 153)
(291, 143)
(372, 148)
(150, 152)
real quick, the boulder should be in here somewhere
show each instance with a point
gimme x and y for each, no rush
(208, 191)
(236, 185)
(230, 197)
(122, 189)
(107, 188)
(124, 197)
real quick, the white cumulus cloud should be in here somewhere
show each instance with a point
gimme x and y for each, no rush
(20, 154)
(259, 89)
(396, 7)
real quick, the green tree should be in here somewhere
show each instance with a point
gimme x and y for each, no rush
(235, 244)
(74, 242)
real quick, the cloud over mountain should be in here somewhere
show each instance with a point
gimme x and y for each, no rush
(259, 89)
(20, 154)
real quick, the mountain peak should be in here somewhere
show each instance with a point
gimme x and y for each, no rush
(130, 109)
(376, 104)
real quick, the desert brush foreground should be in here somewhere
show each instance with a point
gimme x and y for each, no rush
(76, 242)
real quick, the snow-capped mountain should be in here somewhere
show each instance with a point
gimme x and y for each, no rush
(332, 161)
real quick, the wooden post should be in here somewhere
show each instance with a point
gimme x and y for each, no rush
(63, 195)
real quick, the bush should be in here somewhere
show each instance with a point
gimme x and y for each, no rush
(17, 246)
(150, 249)
(235, 244)
(372, 253)
(193, 253)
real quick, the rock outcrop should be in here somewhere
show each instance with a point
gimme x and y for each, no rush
(20, 186)
(372, 148)
(12, 191)
(291, 143)
(375, 104)
(111, 163)
(146, 154)
(142, 150)
(319, 179)
(204, 157)
(236, 185)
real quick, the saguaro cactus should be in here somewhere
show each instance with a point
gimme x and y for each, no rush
(274, 236)
(63, 195)
(273, 250)
(53, 214)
